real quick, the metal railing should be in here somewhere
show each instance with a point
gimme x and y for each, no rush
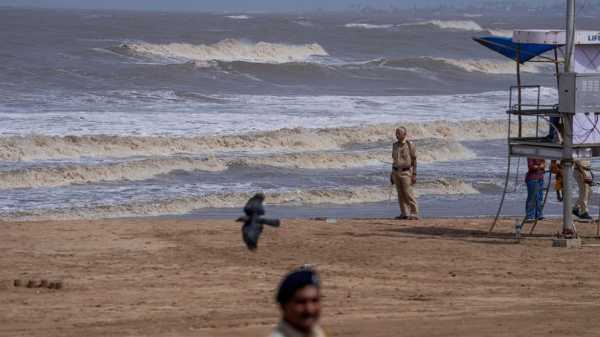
(528, 109)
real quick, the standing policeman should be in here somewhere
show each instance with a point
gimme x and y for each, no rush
(404, 175)
(583, 176)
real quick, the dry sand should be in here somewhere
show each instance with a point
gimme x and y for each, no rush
(381, 278)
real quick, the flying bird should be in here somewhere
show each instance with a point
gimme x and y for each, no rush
(254, 222)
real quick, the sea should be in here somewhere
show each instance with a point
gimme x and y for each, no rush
(131, 114)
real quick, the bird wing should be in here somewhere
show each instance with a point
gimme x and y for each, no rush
(269, 222)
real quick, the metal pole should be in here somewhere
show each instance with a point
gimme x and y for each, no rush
(507, 173)
(519, 99)
(570, 36)
(568, 226)
(556, 67)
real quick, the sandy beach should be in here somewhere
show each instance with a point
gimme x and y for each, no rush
(150, 277)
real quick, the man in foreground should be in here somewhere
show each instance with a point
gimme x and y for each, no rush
(404, 175)
(299, 297)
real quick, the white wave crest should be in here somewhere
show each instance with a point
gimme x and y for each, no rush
(304, 23)
(368, 26)
(429, 150)
(228, 50)
(464, 25)
(501, 32)
(85, 174)
(238, 17)
(338, 196)
(39, 147)
(489, 66)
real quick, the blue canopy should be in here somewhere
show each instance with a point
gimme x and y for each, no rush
(521, 52)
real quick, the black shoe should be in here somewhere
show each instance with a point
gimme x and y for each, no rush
(401, 217)
(541, 218)
(576, 213)
(585, 216)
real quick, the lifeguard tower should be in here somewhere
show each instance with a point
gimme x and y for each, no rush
(571, 126)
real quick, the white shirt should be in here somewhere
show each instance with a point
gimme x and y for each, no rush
(283, 329)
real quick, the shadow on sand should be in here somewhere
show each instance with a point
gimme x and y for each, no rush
(468, 235)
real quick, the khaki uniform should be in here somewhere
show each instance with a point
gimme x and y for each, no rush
(583, 177)
(285, 330)
(403, 155)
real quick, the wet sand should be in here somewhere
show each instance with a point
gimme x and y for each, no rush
(182, 277)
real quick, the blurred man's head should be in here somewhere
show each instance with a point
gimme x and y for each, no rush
(299, 296)
(401, 133)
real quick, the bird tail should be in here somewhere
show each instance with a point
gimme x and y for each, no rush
(269, 222)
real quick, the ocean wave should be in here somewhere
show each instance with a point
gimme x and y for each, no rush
(336, 196)
(304, 23)
(41, 147)
(308, 61)
(462, 25)
(501, 32)
(84, 174)
(487, 66)
(493, 66)
(368, 26)
(238, 17)
(429, 150)
(228, 50)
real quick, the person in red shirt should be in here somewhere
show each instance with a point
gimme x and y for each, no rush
(535, 188)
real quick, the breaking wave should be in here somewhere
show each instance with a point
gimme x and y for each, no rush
(339, 196)
(501, 32)
(227, 50)
(238, 17)
(464, 25)
(307, 62)
(492, 66)
(41, 147)
(304, 23)
(487, 66)
(85, 174)
(430, 150)
(368, 26)
(456, 25)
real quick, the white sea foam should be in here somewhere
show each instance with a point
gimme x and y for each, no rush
(430, 150)
(53, 176)
(304, 23)
(464, 25)
(38, 147)
(228, 50)
(172, 114)
(489, 66)
(238, 17)
(368, 26)
(501, 32)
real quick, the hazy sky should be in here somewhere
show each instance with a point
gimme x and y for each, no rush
(228, 5)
